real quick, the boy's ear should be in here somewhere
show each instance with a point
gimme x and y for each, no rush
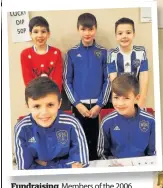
(30, 33)
(134, 34)
(137, 98)
(26, 105)
(60, 103)
(49, 34)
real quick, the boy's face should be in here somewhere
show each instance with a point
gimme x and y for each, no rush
(124, 105)
(44, 110)
(39, 35)
(87, 34)
(125, 35)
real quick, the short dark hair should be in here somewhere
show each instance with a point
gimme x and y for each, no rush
(125, 83)
(38, 21)
(87, 20)
(125, 21)
(40, 87)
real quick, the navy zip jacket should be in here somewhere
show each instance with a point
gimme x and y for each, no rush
(85, 74)
(60, 145)
(122, 137)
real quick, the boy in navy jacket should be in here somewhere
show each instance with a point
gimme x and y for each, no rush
(48, 138)
(85, 79)
(128, 131)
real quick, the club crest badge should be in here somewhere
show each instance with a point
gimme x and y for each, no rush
(127, 64)
(136, 63)
(98, 53)
(144, 125)
(62, 136)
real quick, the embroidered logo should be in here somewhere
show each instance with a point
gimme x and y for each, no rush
(144, 125)
(136, 63)
(127, 64)
(116, 128)
(32, 140)
(78, 55)
(98, 53)
(62, 136)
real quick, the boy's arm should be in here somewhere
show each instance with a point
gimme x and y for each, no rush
(103, 147)
(143, 80)
(26, 68)
(57, 73)
(24, 157)
(105, 92)
(111, 66)
(79, 148)
(78, 154)
(68, 75)
(151, 145)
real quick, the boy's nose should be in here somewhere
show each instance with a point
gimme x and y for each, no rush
(124, 35)
(44, 111)
(87, 32)
(39, 34)
(120, 103)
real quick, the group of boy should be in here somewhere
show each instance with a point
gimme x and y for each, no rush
(50, 138)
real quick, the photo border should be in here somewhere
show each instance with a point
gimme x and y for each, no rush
(6, 91)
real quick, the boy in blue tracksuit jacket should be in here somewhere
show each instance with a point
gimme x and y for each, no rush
(128, 131)
(129, 58)
(85, 79)
(48, 138)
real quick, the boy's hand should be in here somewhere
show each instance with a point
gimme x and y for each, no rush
(115, 163)
(77, 165)
(40, 162)
(95, 111)
(83, 110)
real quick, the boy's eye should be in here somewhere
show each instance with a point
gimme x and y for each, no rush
(37, 106)
(129, 32)
(35, 31)
(50, 105)
(119, 33)
(115, 97)
(44, 31)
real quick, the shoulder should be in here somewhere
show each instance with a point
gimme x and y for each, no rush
(138, 48)
(25, 123)
(109, 118)
(74, 48)
(54, 50)
(69, 120)
(100, 47)
(113, 51)
(26, 51)
(147, 116)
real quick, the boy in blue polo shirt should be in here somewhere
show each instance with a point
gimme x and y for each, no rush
(86, 81)
(128, 58)
(48, 138)
(128, 131)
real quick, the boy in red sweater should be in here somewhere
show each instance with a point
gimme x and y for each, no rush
(41, 59)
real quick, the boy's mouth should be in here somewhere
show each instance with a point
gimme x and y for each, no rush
(87, 38)
(40, 41)
(124, 41)
(45, 119)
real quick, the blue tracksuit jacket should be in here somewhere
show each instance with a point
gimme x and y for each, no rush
(85, 74)
(135, 63)
(122, 137)
(59, 145)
